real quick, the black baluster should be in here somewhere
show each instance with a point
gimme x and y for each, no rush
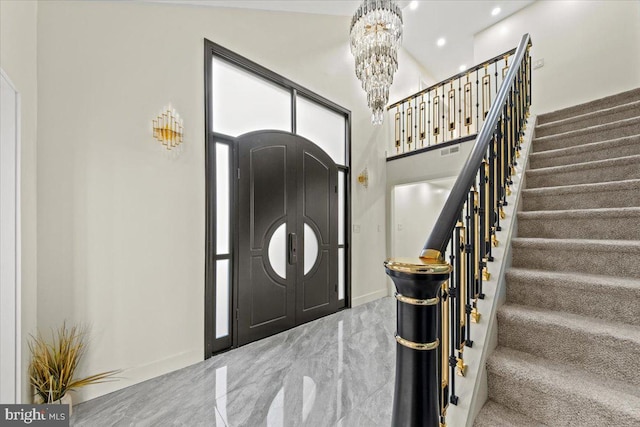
(452, 323)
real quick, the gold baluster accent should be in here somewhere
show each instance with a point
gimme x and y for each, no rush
(422, 121)
(444, 350)
(487, 202)
(461, 368)
(468, 105)
(502, 154)
(475, 315)
(498, 163)
(398, 132)
(409, 125)
(486, 276)
(506, 66)
(486, 92)
(436, 116)
(452, 109)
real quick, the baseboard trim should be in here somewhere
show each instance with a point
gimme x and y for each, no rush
(372, 296)
(138, 374)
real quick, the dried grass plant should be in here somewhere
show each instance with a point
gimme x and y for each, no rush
(53, 365)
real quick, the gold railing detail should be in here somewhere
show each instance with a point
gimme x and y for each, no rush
(445, 111)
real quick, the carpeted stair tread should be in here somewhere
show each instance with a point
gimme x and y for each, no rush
(601, 150)
(601, 195)
(612, 257)
(559, 394)
(601, 296)
(614, 169)
(599, 117)
(601, 347)
(569, 332)
(617, 129)
(603, 223)
(595, 105)
(493, 414)
(631, 246)
(602, 213)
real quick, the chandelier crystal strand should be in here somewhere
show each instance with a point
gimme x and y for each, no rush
(376, 35)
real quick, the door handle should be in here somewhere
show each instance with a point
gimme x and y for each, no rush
(293, 248)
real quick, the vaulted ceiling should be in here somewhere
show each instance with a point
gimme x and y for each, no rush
(455, 21)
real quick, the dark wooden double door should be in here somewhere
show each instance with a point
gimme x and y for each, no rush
(288, 234)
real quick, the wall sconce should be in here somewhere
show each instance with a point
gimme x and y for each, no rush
(363, 178)
(168, 128)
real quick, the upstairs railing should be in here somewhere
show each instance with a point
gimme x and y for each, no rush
(451, 109)
(437, 300)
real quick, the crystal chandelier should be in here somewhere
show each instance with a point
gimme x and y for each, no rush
(376, 34)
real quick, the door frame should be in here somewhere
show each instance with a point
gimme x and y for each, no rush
(14, 329)
(211, 50)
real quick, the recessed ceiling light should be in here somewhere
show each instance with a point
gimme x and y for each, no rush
(463, 67)
(495, 11)
(413, 5)
(441, 41)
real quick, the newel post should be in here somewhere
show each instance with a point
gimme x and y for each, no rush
(418, 282)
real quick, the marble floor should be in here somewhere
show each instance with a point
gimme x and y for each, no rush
(335, 371)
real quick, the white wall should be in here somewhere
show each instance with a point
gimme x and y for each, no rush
(18, 44)
(590, 48)
(427, 166)
(121, 227)
(414, 211)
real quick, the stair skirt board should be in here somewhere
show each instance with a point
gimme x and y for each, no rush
(569, 331)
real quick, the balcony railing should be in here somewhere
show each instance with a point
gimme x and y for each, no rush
(451, 109)
(437, 300)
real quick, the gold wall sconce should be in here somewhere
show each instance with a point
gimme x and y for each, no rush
(363, 178)
(168, 128)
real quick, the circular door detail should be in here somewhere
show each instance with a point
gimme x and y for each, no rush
(278, 251)
(310, 248)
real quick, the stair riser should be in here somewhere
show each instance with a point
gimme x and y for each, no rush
(493, 415)
(615, 172)
(605, 356)
(609, 228)
(599, 104)
(552, 407)
(594, 200)
(594, 261)
(580, 138)
(608, 152)
(606, 303)
(595, 120)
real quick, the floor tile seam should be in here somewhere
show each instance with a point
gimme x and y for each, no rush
(357, 406)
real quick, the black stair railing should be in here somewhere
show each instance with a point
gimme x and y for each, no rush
(437, 300)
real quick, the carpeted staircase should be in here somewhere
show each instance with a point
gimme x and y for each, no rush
(569, 334)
